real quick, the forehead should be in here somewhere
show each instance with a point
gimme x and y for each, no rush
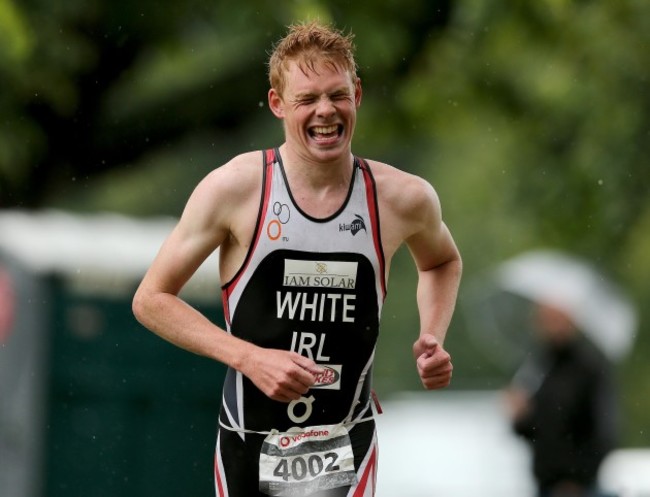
(302, 77)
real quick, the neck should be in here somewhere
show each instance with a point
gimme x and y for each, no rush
(307, 172)
(319, 188)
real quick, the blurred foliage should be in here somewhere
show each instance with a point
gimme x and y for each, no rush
(530, 118)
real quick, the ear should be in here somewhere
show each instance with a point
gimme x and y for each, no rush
(357, 93)
(276, 104)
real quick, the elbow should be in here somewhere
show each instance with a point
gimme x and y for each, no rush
(458, 265)
(454, 266)
(139, 306)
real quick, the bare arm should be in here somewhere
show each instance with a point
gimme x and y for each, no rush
(439, 269)
(205, 226)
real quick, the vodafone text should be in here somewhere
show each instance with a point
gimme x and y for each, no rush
(284, 441)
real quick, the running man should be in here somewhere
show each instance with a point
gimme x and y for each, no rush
(306, 233)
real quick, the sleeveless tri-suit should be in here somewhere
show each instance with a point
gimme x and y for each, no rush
(314, 286)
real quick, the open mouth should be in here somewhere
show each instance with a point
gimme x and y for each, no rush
(326, 132)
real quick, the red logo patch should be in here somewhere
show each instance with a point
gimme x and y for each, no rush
(328, 377)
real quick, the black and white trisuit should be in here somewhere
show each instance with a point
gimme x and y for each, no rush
(314, 286)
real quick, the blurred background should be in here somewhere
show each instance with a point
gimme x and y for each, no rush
(531, 120)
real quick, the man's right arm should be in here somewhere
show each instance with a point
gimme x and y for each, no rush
(200, 231)
(203, 227)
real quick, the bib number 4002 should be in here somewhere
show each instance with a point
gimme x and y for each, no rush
(298, 468)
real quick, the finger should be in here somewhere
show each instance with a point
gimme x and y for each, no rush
(438, 354)
(431, 370)
(426, 344)
(308, 371)
(288, 390)
(429, 340)
(315, 370)
(441, 380)
(423, 360)
(432, 362)
(300, 380)
(432, 375)
(437, 383)
(307, 363)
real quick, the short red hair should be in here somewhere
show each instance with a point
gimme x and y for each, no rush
(308, 44)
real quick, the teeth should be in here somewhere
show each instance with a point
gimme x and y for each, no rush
(325, 130)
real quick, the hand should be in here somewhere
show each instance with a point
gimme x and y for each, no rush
(433, 362)
(281, 375)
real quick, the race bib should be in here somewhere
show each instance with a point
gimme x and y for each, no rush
(306, 460)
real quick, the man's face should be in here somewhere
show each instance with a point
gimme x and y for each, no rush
(319, 111)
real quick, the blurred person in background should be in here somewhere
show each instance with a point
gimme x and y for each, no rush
(306, 233)
(563, 402)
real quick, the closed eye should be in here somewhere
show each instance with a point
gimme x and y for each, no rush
(341, 96)
(305, 99)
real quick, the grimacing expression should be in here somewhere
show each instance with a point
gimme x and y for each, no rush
(318, 107)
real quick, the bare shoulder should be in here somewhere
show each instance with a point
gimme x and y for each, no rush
(405, 194)
(222, 195)
(236, 177)
(408, 205)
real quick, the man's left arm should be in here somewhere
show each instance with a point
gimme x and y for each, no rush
(439, 267)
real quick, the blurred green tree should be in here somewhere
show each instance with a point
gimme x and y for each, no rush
(530, 118)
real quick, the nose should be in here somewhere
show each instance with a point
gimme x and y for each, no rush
(325, 107)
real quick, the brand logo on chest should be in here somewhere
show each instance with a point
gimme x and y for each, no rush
(274, 226)
(320, 274)
(355, 226)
